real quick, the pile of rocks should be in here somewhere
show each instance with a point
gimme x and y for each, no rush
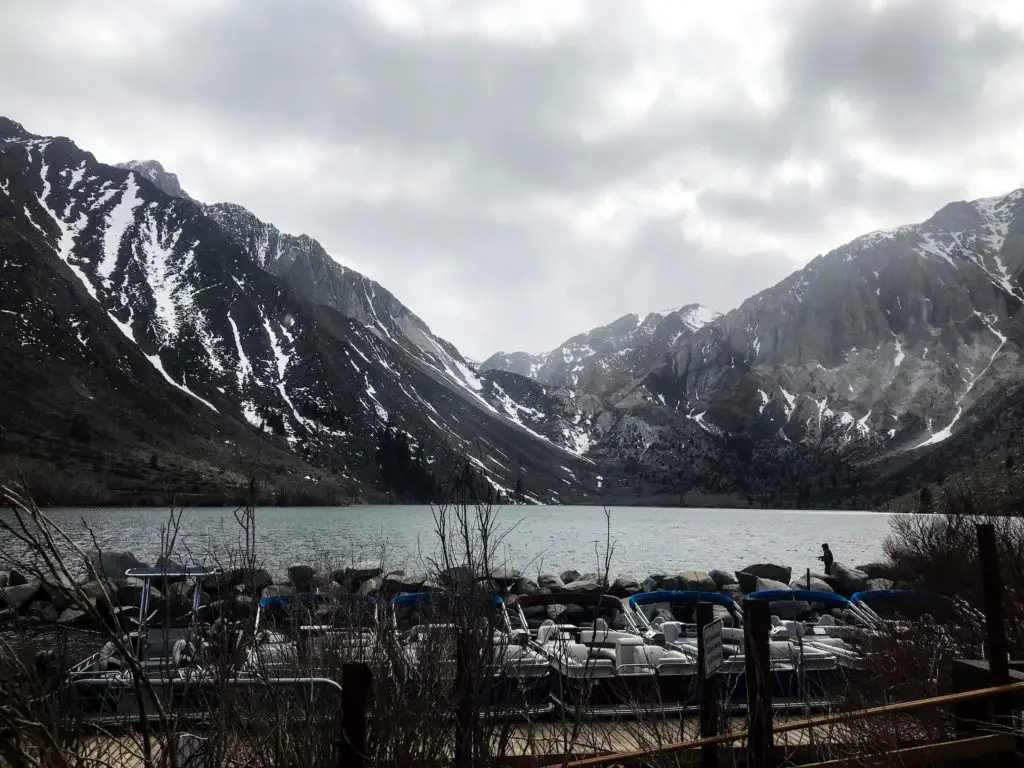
(236, 591)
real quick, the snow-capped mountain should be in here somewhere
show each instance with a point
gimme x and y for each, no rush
(609, 357)
(886, 346)
(155, 173)
(151, 308)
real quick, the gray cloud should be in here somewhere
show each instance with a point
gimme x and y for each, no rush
(517, 185)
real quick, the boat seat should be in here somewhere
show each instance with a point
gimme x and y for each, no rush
(585, 654)
(547, 631)
(602, 636)
(732, 634)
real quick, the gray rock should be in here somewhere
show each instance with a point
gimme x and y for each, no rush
(525, 586)
(733, 590)
(650, 584)
(57, 587)
(846, 580)
(588, 585)
(880, 583)
(397, 582)
(252, 580)
(168, 564)
(570, 575)
(784, 609)
(4, 579)
(458, 577)
(503, 576)
(556, 612)
(71, 616)
(370, 586)
(19, 595)
(113, 564)
(699, 581)
(551, 581)
(624, 586)
(302, 577)
(723, 613)
(771, 571)
(816, 584)
(334, 588)
(359, 572)
(43, 610)
(722, 578)
(129, 592)
(15, 578)
(878, 570)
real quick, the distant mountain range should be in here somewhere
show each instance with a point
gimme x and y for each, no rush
(157, 345)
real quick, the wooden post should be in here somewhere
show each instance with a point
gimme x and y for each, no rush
(355, 692)
(463, 704)
(992, 587)
(709, 690)
(757, 622)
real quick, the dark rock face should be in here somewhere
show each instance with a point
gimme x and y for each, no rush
(149, 323)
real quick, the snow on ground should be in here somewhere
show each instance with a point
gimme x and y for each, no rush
(764, 400)
(790, 402)
(244, 366)
(158, 364)
(118, 221)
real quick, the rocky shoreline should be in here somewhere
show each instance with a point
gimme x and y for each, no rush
(236, 591)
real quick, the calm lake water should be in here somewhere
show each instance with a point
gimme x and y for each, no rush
(534, 539)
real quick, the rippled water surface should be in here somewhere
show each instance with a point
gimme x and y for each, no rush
(645, 539)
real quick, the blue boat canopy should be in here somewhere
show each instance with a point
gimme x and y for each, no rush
(807, 595)
(315, 597)
(418, 598)
(682, 597)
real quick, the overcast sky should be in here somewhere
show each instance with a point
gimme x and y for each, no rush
(517, 172)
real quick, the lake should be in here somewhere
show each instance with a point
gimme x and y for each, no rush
(645, 540)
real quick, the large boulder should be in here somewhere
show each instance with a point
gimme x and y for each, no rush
(130, 591)
(44, 611)
(249, 581)
(589, 584)
(723, 613)
(551, 581)
(169, 564)
(846, 580)
(19, 595)
(302, 577)
(650, 584)
(816, 583)
(734, 591)
(880, 583)
(570, 575)
(784, 609)
(370, 586)
(771, 571)
(113, 564)
(16, 578)
(72, 616)
(397, 582)
(878, 570)
(525, 586)
(624, 586)
(698, 581)
(503, 577)
(459, 577)
(722, 578)
(57, 589)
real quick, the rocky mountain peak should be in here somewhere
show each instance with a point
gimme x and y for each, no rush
(162, 179)
(12, 130)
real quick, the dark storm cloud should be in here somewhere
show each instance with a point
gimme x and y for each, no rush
(516, 186)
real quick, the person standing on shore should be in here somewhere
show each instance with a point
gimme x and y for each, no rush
(827, 559)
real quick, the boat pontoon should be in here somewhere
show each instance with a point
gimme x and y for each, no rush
(602, 664)
(311, 633)
(430, 627)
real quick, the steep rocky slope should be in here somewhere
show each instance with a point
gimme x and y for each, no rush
(885, 348)
(162, 304)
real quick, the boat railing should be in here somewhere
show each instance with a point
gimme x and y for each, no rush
(678, 597)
